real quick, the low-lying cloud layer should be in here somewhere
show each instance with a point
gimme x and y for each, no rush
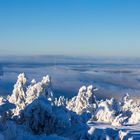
(68, 74)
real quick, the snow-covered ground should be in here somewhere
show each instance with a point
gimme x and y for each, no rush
(33, 112)
(117, 133)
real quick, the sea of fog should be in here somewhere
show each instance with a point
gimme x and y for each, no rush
(113, 77)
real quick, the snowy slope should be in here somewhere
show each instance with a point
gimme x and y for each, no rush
(33, 112)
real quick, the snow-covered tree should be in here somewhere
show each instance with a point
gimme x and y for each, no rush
(5, 111)
(23, 95)
(40, 113)
(85, 100)
(105, 112)
(18, 96)
(130, 112)
(41, 88)
(61, 101)
(41, 117)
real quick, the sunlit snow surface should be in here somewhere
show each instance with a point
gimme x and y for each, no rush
(33, 112)
(126, 132)
(113, 77)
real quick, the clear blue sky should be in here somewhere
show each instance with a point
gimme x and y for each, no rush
(73, 27)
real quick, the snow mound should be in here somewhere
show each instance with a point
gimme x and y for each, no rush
(43, 118)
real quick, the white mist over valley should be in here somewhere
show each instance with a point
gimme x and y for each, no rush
(69, 98)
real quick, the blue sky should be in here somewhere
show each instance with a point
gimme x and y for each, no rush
(70, 27)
